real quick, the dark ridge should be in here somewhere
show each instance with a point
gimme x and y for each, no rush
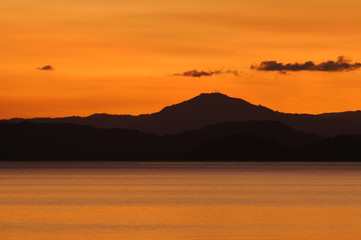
(270, 130)
(240, 141)
(62, 141)
(338, 148)
(238, 148)
(214, 108)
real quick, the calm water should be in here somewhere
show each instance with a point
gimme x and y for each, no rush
(101, 201)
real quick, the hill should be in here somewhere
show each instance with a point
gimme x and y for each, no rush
(213, 108)
(238, 141)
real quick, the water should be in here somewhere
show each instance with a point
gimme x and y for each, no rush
(203, 201)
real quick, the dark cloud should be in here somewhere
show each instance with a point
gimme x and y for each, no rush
(342, 64)
(234, 72)
(46, 68)
(196, 73)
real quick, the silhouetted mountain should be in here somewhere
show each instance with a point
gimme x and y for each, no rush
(238, 148)
(273, 131)
(214, 108)
(338, 148)
(61, 141)
(251, 141)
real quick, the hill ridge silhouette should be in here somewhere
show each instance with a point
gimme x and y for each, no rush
(238, 141)
(214, 108)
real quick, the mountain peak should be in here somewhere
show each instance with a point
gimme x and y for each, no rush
(212, 95)
(216, 106)
(215, 98)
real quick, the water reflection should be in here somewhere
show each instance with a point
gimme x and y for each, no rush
(180, 201)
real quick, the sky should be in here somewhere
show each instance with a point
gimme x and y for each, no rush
(65, 58)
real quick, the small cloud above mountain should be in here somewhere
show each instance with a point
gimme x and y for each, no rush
(46, 68)
(201, 73)
(341, 64)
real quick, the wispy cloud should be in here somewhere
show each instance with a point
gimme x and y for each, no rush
(46, 68)
(342, 64)
(201, 73)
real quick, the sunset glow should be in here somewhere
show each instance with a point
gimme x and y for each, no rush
(122, 57)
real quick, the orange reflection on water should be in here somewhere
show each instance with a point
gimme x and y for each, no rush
(170, 201)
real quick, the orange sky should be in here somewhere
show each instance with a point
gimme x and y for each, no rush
(118, 56)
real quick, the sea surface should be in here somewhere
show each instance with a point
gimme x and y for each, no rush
(198, 201)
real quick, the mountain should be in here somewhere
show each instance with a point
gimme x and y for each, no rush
(338, 148)
(236, 141)
(270, 130)
(63, 141)
(213, 108)
(239, 148)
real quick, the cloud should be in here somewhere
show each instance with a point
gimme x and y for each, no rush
(46, 68)
(342, 64)
(196, 73)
